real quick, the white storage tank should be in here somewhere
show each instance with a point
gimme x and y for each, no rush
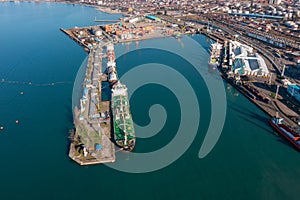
(98, 33)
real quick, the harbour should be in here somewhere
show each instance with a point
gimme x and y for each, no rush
(257, 83)
(250, 161)
(100, 125)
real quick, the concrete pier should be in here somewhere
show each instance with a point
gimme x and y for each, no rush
(71, 35)
(91, 142)
(105, 20)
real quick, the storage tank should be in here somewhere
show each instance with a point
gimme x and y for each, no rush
(279, 8)
(247, 4)
(237, 4)
(98, 33)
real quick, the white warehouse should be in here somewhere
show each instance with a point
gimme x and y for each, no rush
(244, 62)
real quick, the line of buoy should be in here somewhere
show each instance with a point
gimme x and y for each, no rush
(36, 84)
(2, 127)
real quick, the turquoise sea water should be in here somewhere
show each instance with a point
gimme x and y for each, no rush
(249, 161)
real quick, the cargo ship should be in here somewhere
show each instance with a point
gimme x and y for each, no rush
(215, 55)
(110, 52)
(112, 72)
(111, 65)
(291, 135)
(124, 134)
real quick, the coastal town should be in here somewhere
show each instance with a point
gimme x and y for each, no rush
(191, 99)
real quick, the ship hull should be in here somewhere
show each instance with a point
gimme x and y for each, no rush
(112, 83)
(277, 127)
(128, 149)
(123, 129)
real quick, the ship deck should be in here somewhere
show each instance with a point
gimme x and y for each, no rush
(122, 117)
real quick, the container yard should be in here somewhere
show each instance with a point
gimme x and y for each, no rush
(126, 30)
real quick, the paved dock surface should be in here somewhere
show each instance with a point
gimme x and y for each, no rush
(92, 119)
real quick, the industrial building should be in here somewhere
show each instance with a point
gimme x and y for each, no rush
(244, 62)
(294, 91)
(153, 17)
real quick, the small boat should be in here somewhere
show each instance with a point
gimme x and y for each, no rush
(291, 135)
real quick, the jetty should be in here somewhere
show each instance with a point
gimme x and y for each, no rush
(72, 36)
(105, 20)
(91, 138)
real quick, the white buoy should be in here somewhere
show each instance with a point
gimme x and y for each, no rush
(22, 92)
(1, 128)
(17, 121)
